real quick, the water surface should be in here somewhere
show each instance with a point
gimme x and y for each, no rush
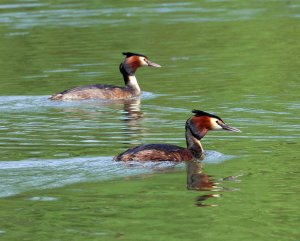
(238, 60)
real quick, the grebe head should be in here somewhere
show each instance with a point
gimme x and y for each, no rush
(202, 122)
(133, 61)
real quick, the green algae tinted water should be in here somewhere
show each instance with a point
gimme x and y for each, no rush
(239, 60)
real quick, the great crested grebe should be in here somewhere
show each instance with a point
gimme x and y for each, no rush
(196, 128)
(100, 91)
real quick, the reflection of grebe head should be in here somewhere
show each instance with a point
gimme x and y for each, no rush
(202, 122)
(133, 61)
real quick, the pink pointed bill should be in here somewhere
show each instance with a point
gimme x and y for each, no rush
(152, 64)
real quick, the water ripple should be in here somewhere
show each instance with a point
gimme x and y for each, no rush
(24, 175)
(37, 103)
(81, 15)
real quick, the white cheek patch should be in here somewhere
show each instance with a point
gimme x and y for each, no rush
(215, 125)
(143, 62)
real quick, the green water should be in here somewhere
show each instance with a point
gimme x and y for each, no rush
(237, 59)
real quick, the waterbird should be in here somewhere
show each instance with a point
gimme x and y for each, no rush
(196, 127)
(131, 89)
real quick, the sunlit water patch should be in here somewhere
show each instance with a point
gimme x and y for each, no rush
(80, 15)
(43, 199)
(20, 5)
(24, 175)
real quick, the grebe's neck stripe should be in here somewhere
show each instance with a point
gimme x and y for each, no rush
(125, 71)
(192, 130)
(130, 80)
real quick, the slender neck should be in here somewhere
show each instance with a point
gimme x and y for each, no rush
(130, 79)
(193, 142)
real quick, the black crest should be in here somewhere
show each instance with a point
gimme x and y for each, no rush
(203, 113)
(129, 54)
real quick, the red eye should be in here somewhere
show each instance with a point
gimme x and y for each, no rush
(219, 123)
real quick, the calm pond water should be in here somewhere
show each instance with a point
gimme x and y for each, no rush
(237, 59)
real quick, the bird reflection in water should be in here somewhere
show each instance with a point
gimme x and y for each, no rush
(118, 118)
(199, 181)
(132, 110)
(132, 115)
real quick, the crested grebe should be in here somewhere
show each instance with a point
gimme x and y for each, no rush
(196, 128)
(100, 91)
